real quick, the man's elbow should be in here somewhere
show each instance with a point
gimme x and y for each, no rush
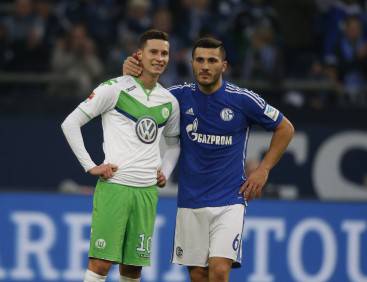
(65, 125)
(290, 128)
(287, 127)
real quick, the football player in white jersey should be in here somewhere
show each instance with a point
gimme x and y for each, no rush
(135, 113)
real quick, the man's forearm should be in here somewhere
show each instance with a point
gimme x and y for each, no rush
(170, 156)
(279, 142)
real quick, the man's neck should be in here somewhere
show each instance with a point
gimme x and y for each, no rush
(210, 89)
(148, 81)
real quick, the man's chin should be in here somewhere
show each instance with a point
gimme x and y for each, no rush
(204, 82)
(156, 73)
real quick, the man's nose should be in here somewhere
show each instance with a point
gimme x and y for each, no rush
(160, 57)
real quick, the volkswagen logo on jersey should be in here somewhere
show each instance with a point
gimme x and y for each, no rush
(226, 114)
(147, 129)
(191, 130)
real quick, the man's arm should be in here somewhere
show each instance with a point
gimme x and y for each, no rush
(254, 184)
(169, 160)
(72, 131)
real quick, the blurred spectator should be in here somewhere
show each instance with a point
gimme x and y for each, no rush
(75, 57)
(240, 19)
(179, 68)
(297, 32)
(193, 19)
(99, 16)
(263, 60)
(137, 18)
(338, 11)
(28, 53)
(102, 19)
(320, 99)
(21, 22)
(46, 22)
(349, 59)
(254, 13)
(31, 55)
(124, 47)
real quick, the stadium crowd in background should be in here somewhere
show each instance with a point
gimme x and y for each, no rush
(268, 42)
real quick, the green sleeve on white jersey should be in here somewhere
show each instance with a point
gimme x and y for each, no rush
(102, 99)
(172, 127)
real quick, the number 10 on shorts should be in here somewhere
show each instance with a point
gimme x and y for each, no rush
(145, 244)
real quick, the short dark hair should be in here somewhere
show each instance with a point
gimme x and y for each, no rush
(211, 43)
(152, 34)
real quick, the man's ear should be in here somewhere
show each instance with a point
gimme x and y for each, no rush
(139, 54)
(225, 65)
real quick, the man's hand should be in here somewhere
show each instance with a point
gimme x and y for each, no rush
(132, 66)
(104, 170)
(161, 179)
(254, 184)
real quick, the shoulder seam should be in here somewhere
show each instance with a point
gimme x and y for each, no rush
(231, 88)
(180, 86)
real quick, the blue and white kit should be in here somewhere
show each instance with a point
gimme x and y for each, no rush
(214, 134)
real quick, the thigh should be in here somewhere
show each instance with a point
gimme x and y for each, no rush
(226, 233)
(198, 274)
(130, 271)
(140, 227)
(219, 269)
(111, 206)
(99, 266)
(191, 247)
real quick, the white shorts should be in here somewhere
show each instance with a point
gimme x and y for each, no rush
(208, 232)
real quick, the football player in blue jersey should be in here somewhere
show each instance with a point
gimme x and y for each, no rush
(216, 117)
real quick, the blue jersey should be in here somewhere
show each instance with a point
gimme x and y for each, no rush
(214, 134)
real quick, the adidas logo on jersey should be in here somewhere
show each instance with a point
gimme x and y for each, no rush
(190, 112)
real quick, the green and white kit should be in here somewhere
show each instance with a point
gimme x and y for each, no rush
(124, 207)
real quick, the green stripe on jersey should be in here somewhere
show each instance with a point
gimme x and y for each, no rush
(133, 107)
(85, 113)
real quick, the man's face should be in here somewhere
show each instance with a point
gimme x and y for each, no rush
(208, 65)
(353, 29)
(154, 56)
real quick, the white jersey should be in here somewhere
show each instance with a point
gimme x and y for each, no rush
(133, 120)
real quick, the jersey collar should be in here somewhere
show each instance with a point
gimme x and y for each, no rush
(221, 89)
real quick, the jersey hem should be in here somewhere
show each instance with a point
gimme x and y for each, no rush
(153, 186)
